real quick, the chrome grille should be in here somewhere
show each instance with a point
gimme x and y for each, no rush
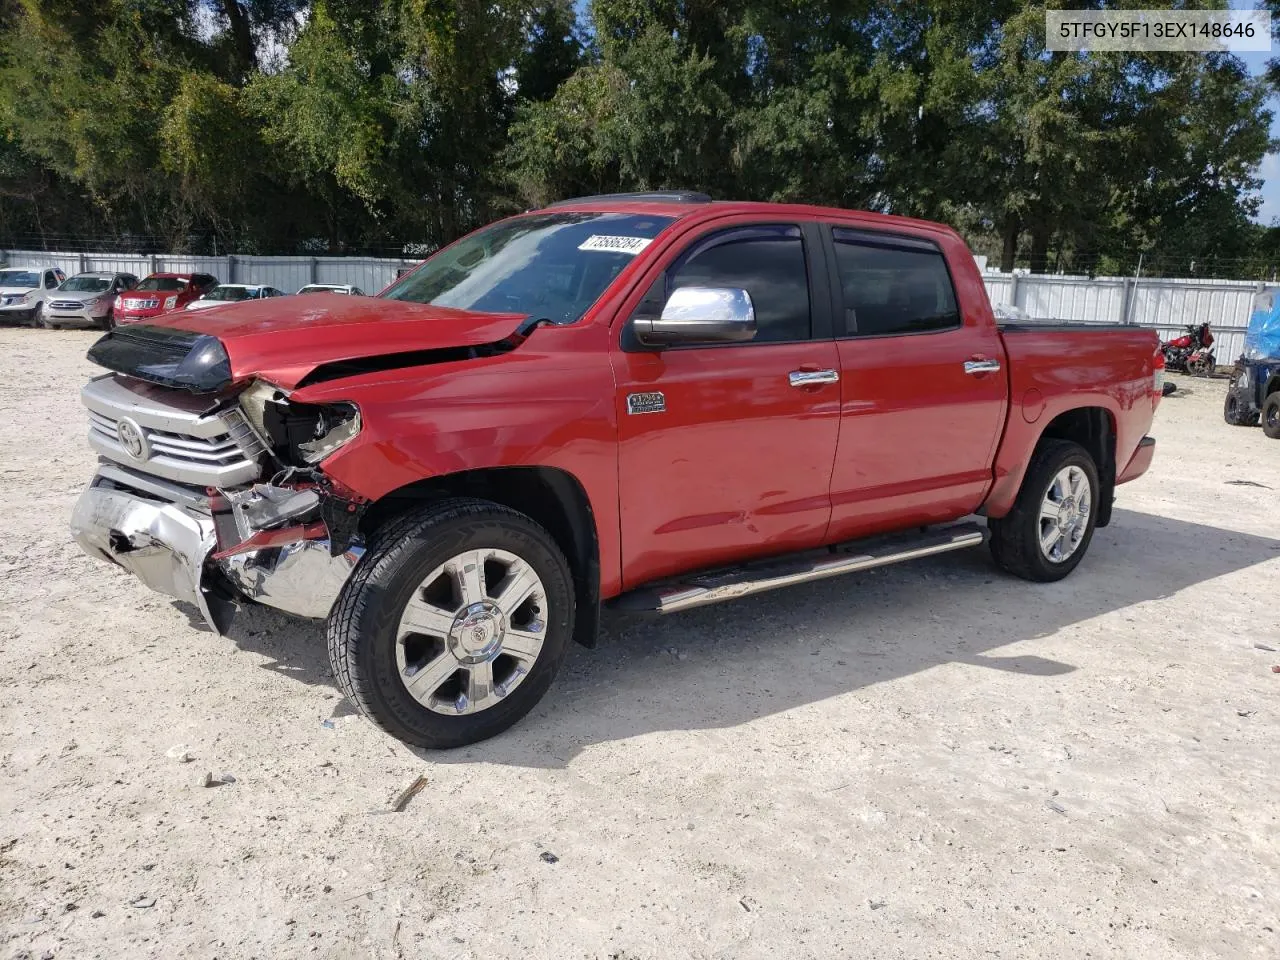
(140, 304)
(181, 439)
(66, 304)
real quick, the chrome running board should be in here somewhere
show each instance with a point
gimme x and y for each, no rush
(698, 590)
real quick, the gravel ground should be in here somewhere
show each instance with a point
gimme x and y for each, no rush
(931, 760)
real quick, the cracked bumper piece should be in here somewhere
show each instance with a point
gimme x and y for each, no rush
(170, 547)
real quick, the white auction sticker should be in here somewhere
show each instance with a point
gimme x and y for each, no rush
(631, 245)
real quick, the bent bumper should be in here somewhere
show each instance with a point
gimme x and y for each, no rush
(169, 546)
(1140, 462)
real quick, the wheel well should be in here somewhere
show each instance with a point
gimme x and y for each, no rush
(552, 497)
(1093, 429)
(1272, 386)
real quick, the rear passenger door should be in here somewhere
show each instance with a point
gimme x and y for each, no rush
(923, 395)
(725, 449)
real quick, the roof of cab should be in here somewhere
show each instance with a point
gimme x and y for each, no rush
(683, 203)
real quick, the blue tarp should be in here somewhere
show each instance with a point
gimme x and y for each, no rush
(1262, 342)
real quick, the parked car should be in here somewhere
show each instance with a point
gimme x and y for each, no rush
(87, 298)
(1254, 392)
(652, 401)
(345, 288)
(23, 291)
(225, 293)
(160, 293)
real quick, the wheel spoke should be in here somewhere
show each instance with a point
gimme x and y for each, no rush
(523, 644)
(479, 687)
(515, 588)
(426, 681)
(425, 618)
(1058, 491)
(1049, 541)
(469, 573)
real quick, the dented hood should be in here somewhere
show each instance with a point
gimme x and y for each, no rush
(283, 339)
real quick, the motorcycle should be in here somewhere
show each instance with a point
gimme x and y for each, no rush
(1191, 353)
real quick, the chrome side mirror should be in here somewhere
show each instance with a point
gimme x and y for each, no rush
(700, 315)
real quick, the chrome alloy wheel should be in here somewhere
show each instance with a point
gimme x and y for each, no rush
(1064, 514)
(471, 632)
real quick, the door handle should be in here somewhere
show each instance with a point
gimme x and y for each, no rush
(809, 378)
(980, 365)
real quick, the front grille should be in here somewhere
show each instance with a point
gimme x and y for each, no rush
(182, 439)
(141, 304)
(66, 305)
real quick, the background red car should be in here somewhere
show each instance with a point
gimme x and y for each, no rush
(159, 293)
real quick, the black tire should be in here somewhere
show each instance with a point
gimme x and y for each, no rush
(1236, 411)
(105, 323)
(361, 629)
(1271, 416)
(1015, 538)
(37, 317)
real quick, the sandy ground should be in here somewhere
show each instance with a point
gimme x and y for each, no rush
(927, 761)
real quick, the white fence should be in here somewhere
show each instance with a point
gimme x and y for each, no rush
(289, 274)
(1164, 305)
(1160, 304)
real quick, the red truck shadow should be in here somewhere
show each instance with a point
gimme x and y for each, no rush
(726, 665)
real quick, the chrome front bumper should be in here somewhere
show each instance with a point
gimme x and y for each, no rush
(170, 547)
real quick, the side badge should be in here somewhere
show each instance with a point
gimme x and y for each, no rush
(646, 403)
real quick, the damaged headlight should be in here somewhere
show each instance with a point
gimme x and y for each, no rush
(335, 424)
(299, 433)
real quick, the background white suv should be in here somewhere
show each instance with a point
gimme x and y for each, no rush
(24, 290)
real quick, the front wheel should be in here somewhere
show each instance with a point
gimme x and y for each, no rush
(454, 624)
(1046, 534)
(1271, 416)
(1236, 411)
(106, 322)
(37, 317)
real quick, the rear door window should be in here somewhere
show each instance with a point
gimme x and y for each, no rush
(892, 285)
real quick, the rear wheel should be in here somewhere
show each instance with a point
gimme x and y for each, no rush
(1271, 416)
(1237, 413)
(454, 624)
(1046, 534)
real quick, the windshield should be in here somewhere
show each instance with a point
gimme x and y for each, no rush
(19, 278)
(552, 265)
(231, 293)
(168, 284)
(86, 285)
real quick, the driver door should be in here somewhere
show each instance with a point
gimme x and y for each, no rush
(724, 451)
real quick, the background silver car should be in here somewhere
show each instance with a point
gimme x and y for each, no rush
(86, 298)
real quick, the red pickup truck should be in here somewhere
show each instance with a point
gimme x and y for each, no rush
(651, 401)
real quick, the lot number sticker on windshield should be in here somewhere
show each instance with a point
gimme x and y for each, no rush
(629, 245)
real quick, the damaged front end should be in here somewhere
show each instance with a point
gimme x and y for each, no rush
(181, 499)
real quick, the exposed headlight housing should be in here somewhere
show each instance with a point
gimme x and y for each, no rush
(300, 433)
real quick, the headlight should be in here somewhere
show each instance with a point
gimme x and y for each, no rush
(335, 425)
(1243, 380)
(25, 298)
(170, 302)
(300, 433)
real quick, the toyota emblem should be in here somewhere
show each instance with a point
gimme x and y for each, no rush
(132, 439)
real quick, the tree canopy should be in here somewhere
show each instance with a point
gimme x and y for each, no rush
(275, 126)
